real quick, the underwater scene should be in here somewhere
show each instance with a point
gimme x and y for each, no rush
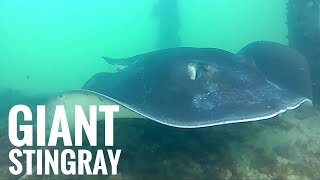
(199, 89)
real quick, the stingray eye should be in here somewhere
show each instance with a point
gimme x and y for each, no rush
(192, 71)
(209, 68)
(206, 66)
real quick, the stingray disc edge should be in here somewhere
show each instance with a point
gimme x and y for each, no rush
(87, 97)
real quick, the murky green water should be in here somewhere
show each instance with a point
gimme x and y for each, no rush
(57, 45)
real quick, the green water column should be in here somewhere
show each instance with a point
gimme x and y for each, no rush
(167, 15)
(304, 36)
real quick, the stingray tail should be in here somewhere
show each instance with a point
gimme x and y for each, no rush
(123, 61)
(111, 60)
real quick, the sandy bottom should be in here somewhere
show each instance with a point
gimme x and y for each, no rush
(285, 147)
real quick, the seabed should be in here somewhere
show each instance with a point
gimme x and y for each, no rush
(285, 147)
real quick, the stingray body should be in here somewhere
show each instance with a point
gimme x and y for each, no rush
(200, 87)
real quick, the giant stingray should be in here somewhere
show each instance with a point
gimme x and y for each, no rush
(200, 87)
